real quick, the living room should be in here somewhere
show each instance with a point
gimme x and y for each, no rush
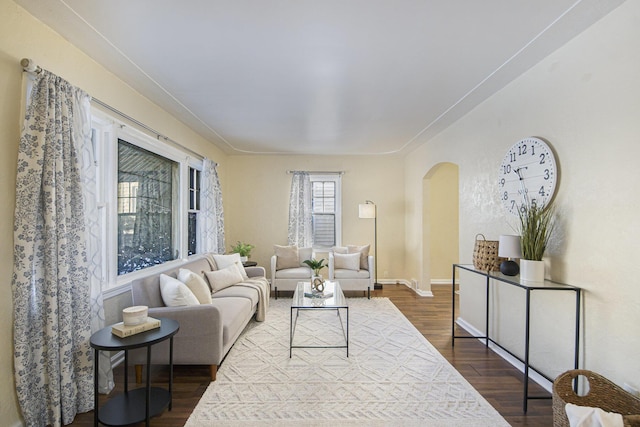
(583, 98)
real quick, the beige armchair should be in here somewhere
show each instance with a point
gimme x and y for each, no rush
(352, 268)
(288, 268)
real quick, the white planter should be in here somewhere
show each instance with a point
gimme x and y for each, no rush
(531, 271)
(244, 258)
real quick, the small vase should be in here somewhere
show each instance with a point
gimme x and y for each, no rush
(531, 271)
(244, 258)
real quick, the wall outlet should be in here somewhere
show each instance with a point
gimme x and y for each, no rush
(631, 389)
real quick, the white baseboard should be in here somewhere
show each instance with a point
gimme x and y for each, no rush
(408, 284)
(542, 381)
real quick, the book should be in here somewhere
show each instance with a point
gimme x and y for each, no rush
(123, 331)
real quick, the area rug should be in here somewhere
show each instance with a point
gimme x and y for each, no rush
(392, 376)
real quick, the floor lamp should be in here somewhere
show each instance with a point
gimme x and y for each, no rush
(368, 210)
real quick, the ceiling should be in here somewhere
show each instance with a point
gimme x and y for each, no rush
(318, 76)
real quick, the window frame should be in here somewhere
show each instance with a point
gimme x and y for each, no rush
(337, 179)
(108, 130)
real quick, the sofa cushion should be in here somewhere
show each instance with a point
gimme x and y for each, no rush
(347, 261)
(196, 284)
(175, 293)
(294, 273)
(286, 257)
(240, 292)
(224, 261)
(233, 313)
(220, 279)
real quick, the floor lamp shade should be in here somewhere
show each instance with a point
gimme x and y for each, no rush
(367, 210)
(509, 247)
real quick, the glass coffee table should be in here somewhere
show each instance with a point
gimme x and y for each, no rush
(332, 299)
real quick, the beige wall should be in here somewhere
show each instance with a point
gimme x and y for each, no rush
(257, 203)
(23, 36)
(441, 219)
(584, 99)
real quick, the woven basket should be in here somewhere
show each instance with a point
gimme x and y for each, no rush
(602, 394)
(485, 254)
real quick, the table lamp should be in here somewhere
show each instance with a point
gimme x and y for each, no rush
(509, 247)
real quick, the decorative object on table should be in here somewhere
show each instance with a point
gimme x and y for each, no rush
(136, 315)
(317, 282)
(529, 170)
(123, 331)
(368, 210)
(485, 254)
(243, 249)
(536, 226)
(603, 394)
(509, 247)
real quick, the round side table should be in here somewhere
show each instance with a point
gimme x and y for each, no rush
(142, 403)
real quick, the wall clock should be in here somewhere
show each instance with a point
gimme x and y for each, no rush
(528, 174)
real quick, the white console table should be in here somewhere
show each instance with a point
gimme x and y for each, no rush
(528, 288)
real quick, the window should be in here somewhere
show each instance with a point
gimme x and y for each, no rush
(326, 205)
(194, 209)
(147, 206)
(149, 199)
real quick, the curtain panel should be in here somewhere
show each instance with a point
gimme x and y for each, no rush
(53, 293)
(300, 211)
(212, 223)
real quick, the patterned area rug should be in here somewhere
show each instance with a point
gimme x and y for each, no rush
(393, 375)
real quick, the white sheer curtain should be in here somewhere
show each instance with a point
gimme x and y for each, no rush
(57, 277)
(212, 223)
(300, 211)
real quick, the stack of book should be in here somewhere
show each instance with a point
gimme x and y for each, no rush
(123, 331)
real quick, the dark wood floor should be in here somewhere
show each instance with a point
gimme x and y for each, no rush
(499, 382)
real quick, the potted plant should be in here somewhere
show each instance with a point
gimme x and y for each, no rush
(536, 226)
(243, 249)
(317, 282)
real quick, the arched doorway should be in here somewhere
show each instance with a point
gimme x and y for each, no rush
(440, 223)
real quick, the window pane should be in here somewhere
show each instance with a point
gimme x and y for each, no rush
(146, 206)
(324, 231)
(192, 237)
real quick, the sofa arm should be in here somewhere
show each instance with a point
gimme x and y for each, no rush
(255, 271)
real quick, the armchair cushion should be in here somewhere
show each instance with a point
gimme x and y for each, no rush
(220, 279)
(294, 273)
(196, 284)
(352, 249)
(175, 293)
(286, 257)
(347, 261)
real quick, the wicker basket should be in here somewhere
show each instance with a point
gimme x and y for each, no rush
(485, 254)
(602, 394)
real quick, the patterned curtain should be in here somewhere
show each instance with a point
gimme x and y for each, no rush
(212, 223)
(300, 211)
(55, 259)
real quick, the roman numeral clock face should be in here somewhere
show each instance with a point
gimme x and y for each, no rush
(527, 172)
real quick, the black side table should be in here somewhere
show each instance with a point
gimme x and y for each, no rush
(142, 403)
(249, 264)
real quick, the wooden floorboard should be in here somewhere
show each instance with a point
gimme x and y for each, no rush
(499, 383)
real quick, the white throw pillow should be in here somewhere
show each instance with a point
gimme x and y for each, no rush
(175, 293)
(347, 261)
(224, 261)
(196, 284)
(286, 257)
(364, 254)
(220, 279)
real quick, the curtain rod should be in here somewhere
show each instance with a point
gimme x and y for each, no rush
(320, 172)
(30, 66)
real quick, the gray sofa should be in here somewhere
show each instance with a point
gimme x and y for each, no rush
(207, 331)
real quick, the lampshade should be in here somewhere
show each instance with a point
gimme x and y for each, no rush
(367, 210)
(509, 246)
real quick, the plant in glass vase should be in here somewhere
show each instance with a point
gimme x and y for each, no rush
(317, 282)
(536, 226)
